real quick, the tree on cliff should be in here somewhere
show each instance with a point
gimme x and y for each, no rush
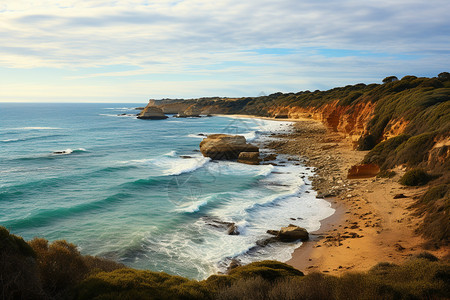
(390, 79)
(444, 76)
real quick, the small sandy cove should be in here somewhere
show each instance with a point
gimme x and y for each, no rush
(369, 225)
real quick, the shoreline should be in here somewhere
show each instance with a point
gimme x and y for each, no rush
(368, 225)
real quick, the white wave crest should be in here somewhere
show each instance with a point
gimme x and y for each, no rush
(177, 166)
(196, 136)
(194, 206)
(36, 128)
(172, 153)
(68, 151)
(250, 136)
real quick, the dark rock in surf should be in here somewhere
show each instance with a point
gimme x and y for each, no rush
(249, 158)
(232, 229)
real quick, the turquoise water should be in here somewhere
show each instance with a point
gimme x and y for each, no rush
(139, 192)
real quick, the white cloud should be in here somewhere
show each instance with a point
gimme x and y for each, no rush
(197, 37)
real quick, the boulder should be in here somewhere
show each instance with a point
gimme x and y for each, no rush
(225, 146)
(286, 234)
(363, 171)
(232, 229)
(292, 233)
(281, 116)
(399, 196)
(250, 158)
(152, 113)
(234, 263)
(267, 241)
(270, 157)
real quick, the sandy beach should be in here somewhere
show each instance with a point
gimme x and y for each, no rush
(369, 225)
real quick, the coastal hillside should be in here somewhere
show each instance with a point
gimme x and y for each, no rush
(369, 114)
(401, 123)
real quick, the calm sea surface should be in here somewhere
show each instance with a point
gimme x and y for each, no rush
(139, 192)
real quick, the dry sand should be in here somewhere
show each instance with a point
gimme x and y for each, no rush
(369, 225)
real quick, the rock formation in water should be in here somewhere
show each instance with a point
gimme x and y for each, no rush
(287, 234)
(250, 158)
(152, 113)
(225, 146)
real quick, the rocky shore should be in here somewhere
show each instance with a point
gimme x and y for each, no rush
(369, 226)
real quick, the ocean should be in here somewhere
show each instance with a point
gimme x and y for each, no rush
(140, 192)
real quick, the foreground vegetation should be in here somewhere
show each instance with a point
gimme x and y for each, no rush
(41, 270)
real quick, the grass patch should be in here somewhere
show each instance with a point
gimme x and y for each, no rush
(415, 177)
(419, 278)
(138, 284)
(386, 174)
(385, 152)
(434, 206)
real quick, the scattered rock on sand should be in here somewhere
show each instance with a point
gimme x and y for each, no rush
(399, 196)
(270, 157)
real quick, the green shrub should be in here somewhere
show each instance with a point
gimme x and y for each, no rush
(352, 97)
(386, 174)
(390, 79)
(427, 256)
(19, 277)
(138, 284)
(383, 153)
(366, 142)
(419, 278)
(415, 149)
(267, 269)
(415, 177)
(13, 243)
(434, 206)
(61, 265)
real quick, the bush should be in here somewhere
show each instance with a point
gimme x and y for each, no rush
(138, 284)
(419, 278)
(444, 76)
(427, 255)
(19, 277)
(267, 269)
(366, 142)
(385, 151)
(435, 206)
(415, 149)
(386, 174)
(415, 177)
(390, 79)
(60, 264)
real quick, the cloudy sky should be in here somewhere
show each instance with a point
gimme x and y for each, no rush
(133, 50)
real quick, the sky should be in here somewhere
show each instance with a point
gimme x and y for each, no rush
(135, 50)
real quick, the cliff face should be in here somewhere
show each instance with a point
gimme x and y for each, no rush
(152, 113)
(352, 121)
